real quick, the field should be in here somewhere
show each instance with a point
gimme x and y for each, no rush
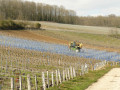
(101, 41)
(35, 52)
(17, 61)
(59, 49)
(78, 28)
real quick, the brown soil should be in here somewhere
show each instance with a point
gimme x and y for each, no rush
(33, 36)
(103, 48)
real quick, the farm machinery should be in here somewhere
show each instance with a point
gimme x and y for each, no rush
(75, 46)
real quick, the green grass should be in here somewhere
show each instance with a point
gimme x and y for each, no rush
(81, 83)
(93, 39)
(87, 38)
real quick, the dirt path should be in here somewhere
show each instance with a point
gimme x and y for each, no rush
(110, 81)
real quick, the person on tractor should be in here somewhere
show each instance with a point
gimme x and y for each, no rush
(72, 44)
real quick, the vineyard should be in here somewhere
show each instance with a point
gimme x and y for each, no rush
(59, 49)
(44, 46)
(31, 65)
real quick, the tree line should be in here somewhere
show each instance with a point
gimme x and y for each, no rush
(26, 10)
(107, 21)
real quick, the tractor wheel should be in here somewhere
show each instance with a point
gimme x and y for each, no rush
(77, 50)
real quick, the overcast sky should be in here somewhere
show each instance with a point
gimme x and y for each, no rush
(87, 7)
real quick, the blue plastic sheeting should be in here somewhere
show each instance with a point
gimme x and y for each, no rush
(59, 49)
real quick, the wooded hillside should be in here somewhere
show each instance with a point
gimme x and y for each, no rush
(25, 10)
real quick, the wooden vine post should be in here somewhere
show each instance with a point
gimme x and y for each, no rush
(43, 81)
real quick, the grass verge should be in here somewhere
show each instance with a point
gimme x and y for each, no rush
(81, 83)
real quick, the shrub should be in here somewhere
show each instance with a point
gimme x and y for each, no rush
(37, 25)
(10, 25)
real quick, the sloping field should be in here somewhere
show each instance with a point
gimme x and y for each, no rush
(98, 42)
(56, 48)
(78, 28)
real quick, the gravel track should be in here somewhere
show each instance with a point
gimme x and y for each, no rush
(110, 81)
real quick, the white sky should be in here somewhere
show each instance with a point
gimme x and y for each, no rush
(87, 7)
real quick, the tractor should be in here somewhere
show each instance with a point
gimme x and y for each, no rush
(75, 46)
